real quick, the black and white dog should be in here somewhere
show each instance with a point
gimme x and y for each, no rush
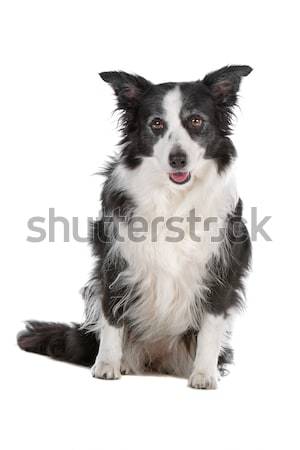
(162, 297)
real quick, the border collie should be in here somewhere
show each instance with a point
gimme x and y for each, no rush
(161, 297)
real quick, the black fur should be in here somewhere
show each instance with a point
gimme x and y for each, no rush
(59, 341)
(227, 288)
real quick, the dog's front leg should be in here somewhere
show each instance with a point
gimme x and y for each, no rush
(209, 341)
(108, 361)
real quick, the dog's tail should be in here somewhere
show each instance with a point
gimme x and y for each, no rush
(63, 342)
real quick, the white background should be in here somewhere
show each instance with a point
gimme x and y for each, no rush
(56, 131)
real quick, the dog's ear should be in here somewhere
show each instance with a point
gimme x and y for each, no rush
(128, 88)
(224, 83)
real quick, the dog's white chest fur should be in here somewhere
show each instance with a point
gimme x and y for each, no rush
(169, 279)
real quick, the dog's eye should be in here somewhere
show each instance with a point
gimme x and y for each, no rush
(157, 124)
(196, 121)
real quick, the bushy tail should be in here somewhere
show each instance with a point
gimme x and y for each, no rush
(59, 341)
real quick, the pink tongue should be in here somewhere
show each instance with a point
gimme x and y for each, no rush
(179, 177)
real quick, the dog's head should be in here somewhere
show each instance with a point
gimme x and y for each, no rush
(179, 125)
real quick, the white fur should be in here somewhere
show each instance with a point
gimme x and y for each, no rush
(209, 343)
(108, 361)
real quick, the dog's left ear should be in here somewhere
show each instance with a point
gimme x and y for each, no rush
(128, 88)
(224, 83)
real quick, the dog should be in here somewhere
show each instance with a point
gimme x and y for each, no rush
(162, 298)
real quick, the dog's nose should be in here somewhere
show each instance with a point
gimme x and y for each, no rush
(177, 160)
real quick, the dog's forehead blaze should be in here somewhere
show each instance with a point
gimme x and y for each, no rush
(172, 105)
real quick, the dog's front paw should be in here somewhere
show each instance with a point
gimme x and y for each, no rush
(199, 380)
(106, 370)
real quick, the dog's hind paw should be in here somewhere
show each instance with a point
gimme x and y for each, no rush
(125, 370)
(199, 380)
(106, 371)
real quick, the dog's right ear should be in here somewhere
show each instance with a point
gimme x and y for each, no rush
(128, 88)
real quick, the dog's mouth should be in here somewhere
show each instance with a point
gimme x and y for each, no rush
(180, 177)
